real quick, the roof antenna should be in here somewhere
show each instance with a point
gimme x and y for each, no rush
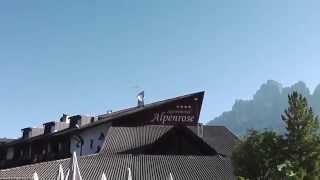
(140, 97)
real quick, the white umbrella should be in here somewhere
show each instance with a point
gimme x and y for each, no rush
(35, 176)
(60, 173)
(170, 177)
(129, 174)
(67, 175)
(103, 177)
(75, 171)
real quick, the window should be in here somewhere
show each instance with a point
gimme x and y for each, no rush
(98, 149)
(91, 143)
(44, 151)
(35, 158)
(59, 147)
(10, 153)
(101, 137)
(49, 148)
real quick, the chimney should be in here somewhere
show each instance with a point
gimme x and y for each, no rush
(140, 98)
(31, 132)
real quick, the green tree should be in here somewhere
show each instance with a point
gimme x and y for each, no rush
(294, 155)
(302, 145)
(255, 156)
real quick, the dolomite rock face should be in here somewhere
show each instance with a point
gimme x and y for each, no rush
(266, 107)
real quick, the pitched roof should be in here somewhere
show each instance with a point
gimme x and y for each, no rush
(143, 167)
(105, 118)
(182, 167)
(219, 138)
(121, 139)
(129, 111)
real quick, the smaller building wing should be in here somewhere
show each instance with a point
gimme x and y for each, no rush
(144, 167)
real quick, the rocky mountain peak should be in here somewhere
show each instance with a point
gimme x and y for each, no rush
(266, 107)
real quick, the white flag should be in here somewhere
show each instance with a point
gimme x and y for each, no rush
(141, 99)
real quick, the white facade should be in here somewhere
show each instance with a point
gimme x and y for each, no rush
(93, 139)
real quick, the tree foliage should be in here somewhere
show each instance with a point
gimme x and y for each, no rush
(293, 155)
(302, 145)
(254, 156)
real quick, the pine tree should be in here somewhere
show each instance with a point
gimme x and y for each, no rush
(301, 141)
(294, 155)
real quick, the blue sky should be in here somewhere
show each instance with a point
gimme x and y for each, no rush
(85, 57)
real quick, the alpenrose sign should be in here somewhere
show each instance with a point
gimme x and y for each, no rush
(184, 110)
(174, 116)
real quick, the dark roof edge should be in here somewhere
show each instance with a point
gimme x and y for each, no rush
(117, 114)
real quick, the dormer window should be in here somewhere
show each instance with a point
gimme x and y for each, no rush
(49, 127)
(26, 133)
(31, 132)
(79, 120)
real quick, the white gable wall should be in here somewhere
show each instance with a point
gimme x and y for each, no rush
(87, 135)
